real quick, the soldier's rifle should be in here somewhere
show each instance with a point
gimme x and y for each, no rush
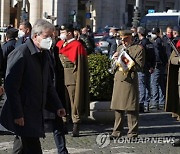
(173, 46)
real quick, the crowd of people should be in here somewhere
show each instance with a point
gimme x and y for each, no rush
(46, 79)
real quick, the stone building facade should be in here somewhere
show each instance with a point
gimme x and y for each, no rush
(97, 13)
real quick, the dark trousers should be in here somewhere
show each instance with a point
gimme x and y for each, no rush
(59, 137)
(27, 145)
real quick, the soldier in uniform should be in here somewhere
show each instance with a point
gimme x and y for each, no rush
(173, 85)
(125, 97)
(76, 75)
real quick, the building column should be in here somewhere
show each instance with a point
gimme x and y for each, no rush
(35, 11)
(5, 12)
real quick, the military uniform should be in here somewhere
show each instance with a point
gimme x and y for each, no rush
(76, 75)
(125, 95)
(173, 83)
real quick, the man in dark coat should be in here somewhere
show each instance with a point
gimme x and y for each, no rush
(28, 87)
(24, 32)
(144, 76)
(112, 41)
(8, 46)
(158, 75)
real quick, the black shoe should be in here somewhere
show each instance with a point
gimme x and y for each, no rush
(176, 143)
(141, 108)
(75, 132)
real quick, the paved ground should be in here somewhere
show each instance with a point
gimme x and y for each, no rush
(157, 131)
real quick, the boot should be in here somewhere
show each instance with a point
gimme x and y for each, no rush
(75, 132)
(176, 143)
(174, 115)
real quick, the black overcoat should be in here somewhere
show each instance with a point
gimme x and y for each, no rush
(27, 86)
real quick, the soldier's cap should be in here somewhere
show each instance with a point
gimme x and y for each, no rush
(12, 33)
(155, 30)
(125, 33)
(176, 28)
(68, 27)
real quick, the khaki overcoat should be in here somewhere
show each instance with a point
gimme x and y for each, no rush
(173, 83)
(125, 91)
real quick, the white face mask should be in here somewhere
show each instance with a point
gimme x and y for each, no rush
(110, 34)
(46, 43)
(133, 34)
(153, 36)
(21, 33)
(63, 36)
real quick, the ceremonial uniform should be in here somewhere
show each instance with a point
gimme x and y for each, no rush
(125, 95)
(173, 88)
(173, 85)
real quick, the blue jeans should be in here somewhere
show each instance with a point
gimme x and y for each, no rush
(144, 79)
(158, 86)
(59, 137)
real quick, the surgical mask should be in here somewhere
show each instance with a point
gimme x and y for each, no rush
(153, 36)
(133, 34)
(21, 33)
(46, 43)
(110, 34)
(63, 36)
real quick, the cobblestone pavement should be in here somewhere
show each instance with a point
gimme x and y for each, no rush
(157, 131)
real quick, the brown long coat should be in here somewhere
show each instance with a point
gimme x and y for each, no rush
(173, 83)
(125, 92)
(76, 77)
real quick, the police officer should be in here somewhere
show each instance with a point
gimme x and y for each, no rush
(125, 95)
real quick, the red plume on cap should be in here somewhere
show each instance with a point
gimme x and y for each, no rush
(178, 45)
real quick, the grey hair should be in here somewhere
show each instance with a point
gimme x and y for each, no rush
(40, 25)
(141, 30)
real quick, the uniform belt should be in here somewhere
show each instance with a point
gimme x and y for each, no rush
(68, 65)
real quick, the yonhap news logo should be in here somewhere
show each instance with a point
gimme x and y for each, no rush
(103, 140)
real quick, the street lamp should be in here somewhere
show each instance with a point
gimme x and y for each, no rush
(136, 17)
